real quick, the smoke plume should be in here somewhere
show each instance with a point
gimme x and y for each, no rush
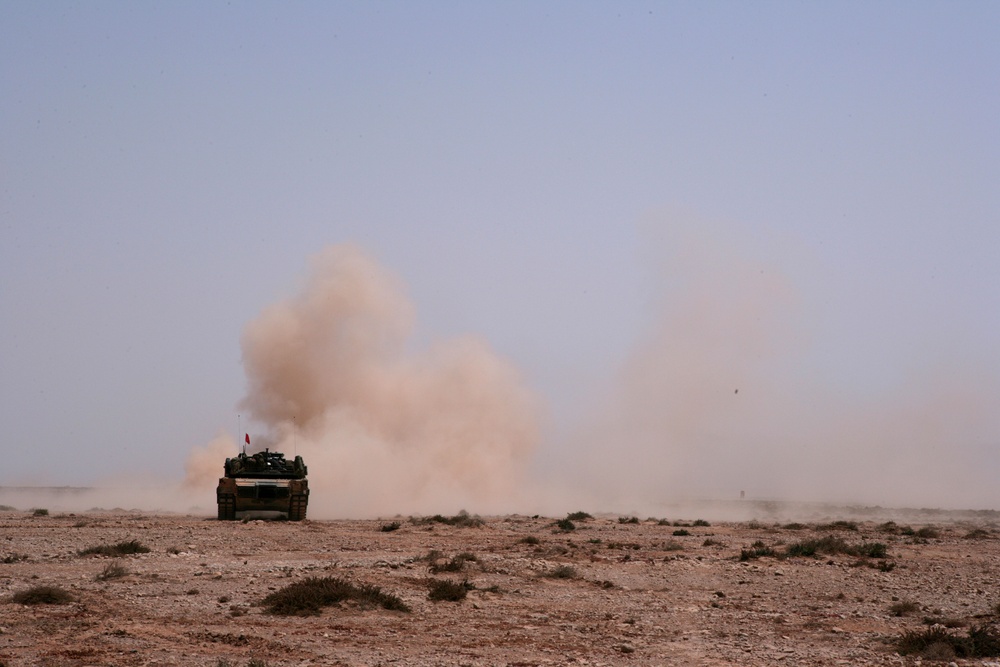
(382, 429)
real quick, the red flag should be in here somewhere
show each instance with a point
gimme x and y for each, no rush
(248, 438)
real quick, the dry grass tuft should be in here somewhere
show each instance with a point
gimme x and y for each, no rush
(113, 570)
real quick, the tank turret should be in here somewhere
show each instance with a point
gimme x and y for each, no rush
(263, 482)
(265, 464)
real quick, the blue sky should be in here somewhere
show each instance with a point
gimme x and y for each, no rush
(525, 169)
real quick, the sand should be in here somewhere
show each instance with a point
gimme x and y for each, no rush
(646, 593)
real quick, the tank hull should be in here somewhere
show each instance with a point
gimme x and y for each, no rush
(237, 494)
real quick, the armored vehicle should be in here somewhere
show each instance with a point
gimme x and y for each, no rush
(263, 482)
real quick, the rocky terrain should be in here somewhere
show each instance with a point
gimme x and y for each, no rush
(603, 590)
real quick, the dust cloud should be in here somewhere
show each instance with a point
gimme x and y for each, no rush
(735, 388)
(728, 393)
(383, 429)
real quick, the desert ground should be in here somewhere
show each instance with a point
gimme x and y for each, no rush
(601, 590)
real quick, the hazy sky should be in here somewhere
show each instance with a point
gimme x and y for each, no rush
(557, 178)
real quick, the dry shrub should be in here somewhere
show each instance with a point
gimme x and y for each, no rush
(839, 525)
(43, 595)
(447, 591)
(126, 548)
(756, 550)
(455, 564)
(561, 572)
(889, 527)
(936, 643)
(904, 608)
(463, 520)
(832, 545)
(947, 622)
(309, 596)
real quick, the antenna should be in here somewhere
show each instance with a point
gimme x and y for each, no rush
(239, 429)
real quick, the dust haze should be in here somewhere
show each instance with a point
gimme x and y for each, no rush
(722, 395)
(725, 394)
